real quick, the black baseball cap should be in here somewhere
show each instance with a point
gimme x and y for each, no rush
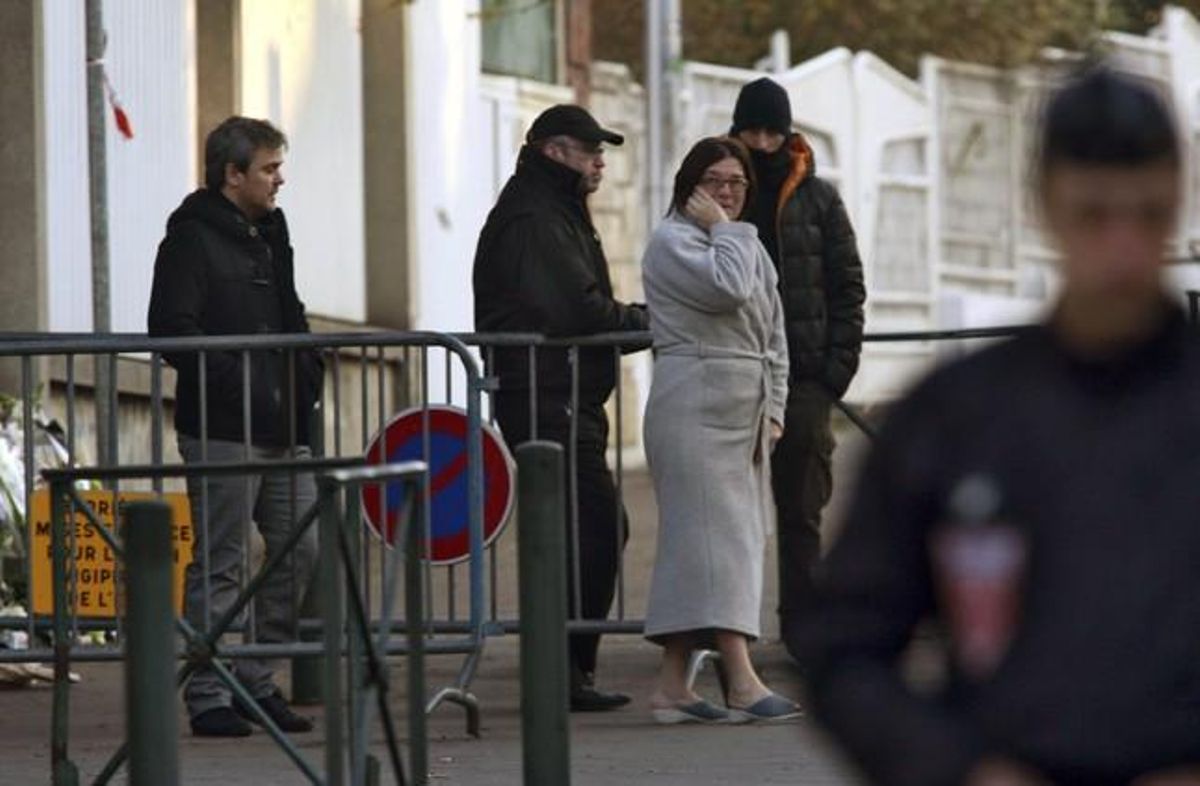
(573, 121)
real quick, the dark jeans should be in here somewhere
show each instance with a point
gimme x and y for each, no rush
(601, 533)
(802, 479)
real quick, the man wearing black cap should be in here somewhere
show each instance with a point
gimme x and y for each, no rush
(540, 268)
(803, 224)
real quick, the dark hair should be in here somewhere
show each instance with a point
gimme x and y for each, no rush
(235, 142)
(1101, 117)
(704, 154)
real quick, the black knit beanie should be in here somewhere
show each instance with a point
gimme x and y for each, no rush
(762, 103)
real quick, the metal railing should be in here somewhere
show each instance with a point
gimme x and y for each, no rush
(341, 530)
(341, 526)
(382, 371)
(537, 350)
(368, 377)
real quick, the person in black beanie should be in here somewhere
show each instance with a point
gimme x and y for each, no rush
(803, 225)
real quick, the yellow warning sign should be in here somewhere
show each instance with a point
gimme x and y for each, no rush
(96, 571)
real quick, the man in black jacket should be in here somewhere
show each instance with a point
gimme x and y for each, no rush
(1038, 501)
(540, 268)
(803, 225)
(225, 268)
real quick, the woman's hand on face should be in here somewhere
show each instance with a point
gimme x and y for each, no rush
(704, 210)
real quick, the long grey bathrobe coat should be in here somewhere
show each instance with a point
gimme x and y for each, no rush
(720, 372)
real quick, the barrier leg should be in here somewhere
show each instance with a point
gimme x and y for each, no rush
(543, 591)
(151, 722)
(63, 770)
(330, 572)
(414, 611)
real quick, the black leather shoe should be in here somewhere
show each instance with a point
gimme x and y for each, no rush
(588, 699)
(278, 710)
(219, 722)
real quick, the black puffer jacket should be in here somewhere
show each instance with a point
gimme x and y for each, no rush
(540, 268)
(219, 274)
(820, 273)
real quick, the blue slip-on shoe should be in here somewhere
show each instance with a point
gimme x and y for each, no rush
(697, 712)
(772, 708)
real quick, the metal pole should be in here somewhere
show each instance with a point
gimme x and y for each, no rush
(545, 735)
(98, 192)
(414, 619)
(672, 59)
(330, 572)
(150, 647)
(63, 770)
(656, 202)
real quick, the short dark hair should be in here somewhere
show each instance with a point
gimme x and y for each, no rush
(704, 154)
(235, 142)
(1101, 117)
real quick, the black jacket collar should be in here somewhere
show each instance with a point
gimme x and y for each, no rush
(560, 179)
(214, 210)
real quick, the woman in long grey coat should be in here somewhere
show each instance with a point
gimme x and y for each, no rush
(715, 409)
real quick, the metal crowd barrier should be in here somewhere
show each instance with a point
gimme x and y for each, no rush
(619, 344)
(341, 526)
(338, 511)
(368, 378)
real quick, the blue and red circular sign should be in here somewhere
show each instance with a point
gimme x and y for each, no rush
(403, 439)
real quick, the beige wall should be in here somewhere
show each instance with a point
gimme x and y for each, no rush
(385, 153)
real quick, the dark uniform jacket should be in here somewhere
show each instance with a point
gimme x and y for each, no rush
(1097, 465)
(810, 238)
(217, 273)
(540, 268)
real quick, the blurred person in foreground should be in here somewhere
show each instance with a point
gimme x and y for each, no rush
(714, 414)
(803, 225)
(1039, 500)
(540, 268)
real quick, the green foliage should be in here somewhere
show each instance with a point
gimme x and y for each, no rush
(996, 32)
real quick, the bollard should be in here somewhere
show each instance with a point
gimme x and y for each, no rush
(541, 546)
(151, 720)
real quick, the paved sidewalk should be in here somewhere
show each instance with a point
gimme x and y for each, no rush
(621, 747)
(608, 749)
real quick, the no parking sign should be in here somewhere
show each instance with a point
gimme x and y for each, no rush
(403, 439)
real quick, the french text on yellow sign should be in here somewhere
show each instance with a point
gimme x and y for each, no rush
(96, 571)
